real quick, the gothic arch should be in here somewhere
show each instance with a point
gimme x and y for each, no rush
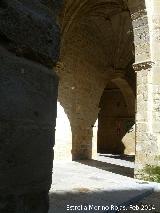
(128, 94)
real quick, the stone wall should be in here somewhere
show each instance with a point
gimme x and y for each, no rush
(146, 18)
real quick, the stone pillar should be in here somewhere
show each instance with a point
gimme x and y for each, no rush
(81, 141)
(84, 114)
(29, 48)
(80, 89)
(146, 143)
(148, 96)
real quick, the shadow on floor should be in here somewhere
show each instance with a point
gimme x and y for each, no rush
(121, 170)
(79, 201)
(130, 158)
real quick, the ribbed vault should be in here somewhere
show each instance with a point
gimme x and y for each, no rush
(99, 31)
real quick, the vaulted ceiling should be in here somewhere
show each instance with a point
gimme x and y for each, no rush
(98, 32)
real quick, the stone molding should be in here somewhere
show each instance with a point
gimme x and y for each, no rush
(145, 65)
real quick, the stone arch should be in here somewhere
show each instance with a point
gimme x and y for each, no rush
(88, 61)
(124, 24)
(128, 94)
(117, 107)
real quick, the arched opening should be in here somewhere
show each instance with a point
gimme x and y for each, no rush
(94, 140)
(116, 120)
(95, 35)
(63, 136)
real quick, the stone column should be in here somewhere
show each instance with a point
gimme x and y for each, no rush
(83, 116)
(147, 149)
(81, 141)
(148, 96)
(29, 48)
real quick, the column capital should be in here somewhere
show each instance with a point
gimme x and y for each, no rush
(144, 65)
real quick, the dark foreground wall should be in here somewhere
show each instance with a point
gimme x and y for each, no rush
(29, 48)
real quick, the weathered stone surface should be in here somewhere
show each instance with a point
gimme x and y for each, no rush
(28, 94)
(35, 202)
(93, 48)
(29, 29)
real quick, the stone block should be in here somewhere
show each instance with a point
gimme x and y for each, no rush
(29, 29)
(28, 93)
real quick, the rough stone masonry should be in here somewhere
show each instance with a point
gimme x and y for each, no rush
(29, 49)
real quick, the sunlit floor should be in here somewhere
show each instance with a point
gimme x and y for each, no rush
(105, 182)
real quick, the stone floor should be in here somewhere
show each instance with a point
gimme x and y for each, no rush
(150, 203)
(102, 185)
